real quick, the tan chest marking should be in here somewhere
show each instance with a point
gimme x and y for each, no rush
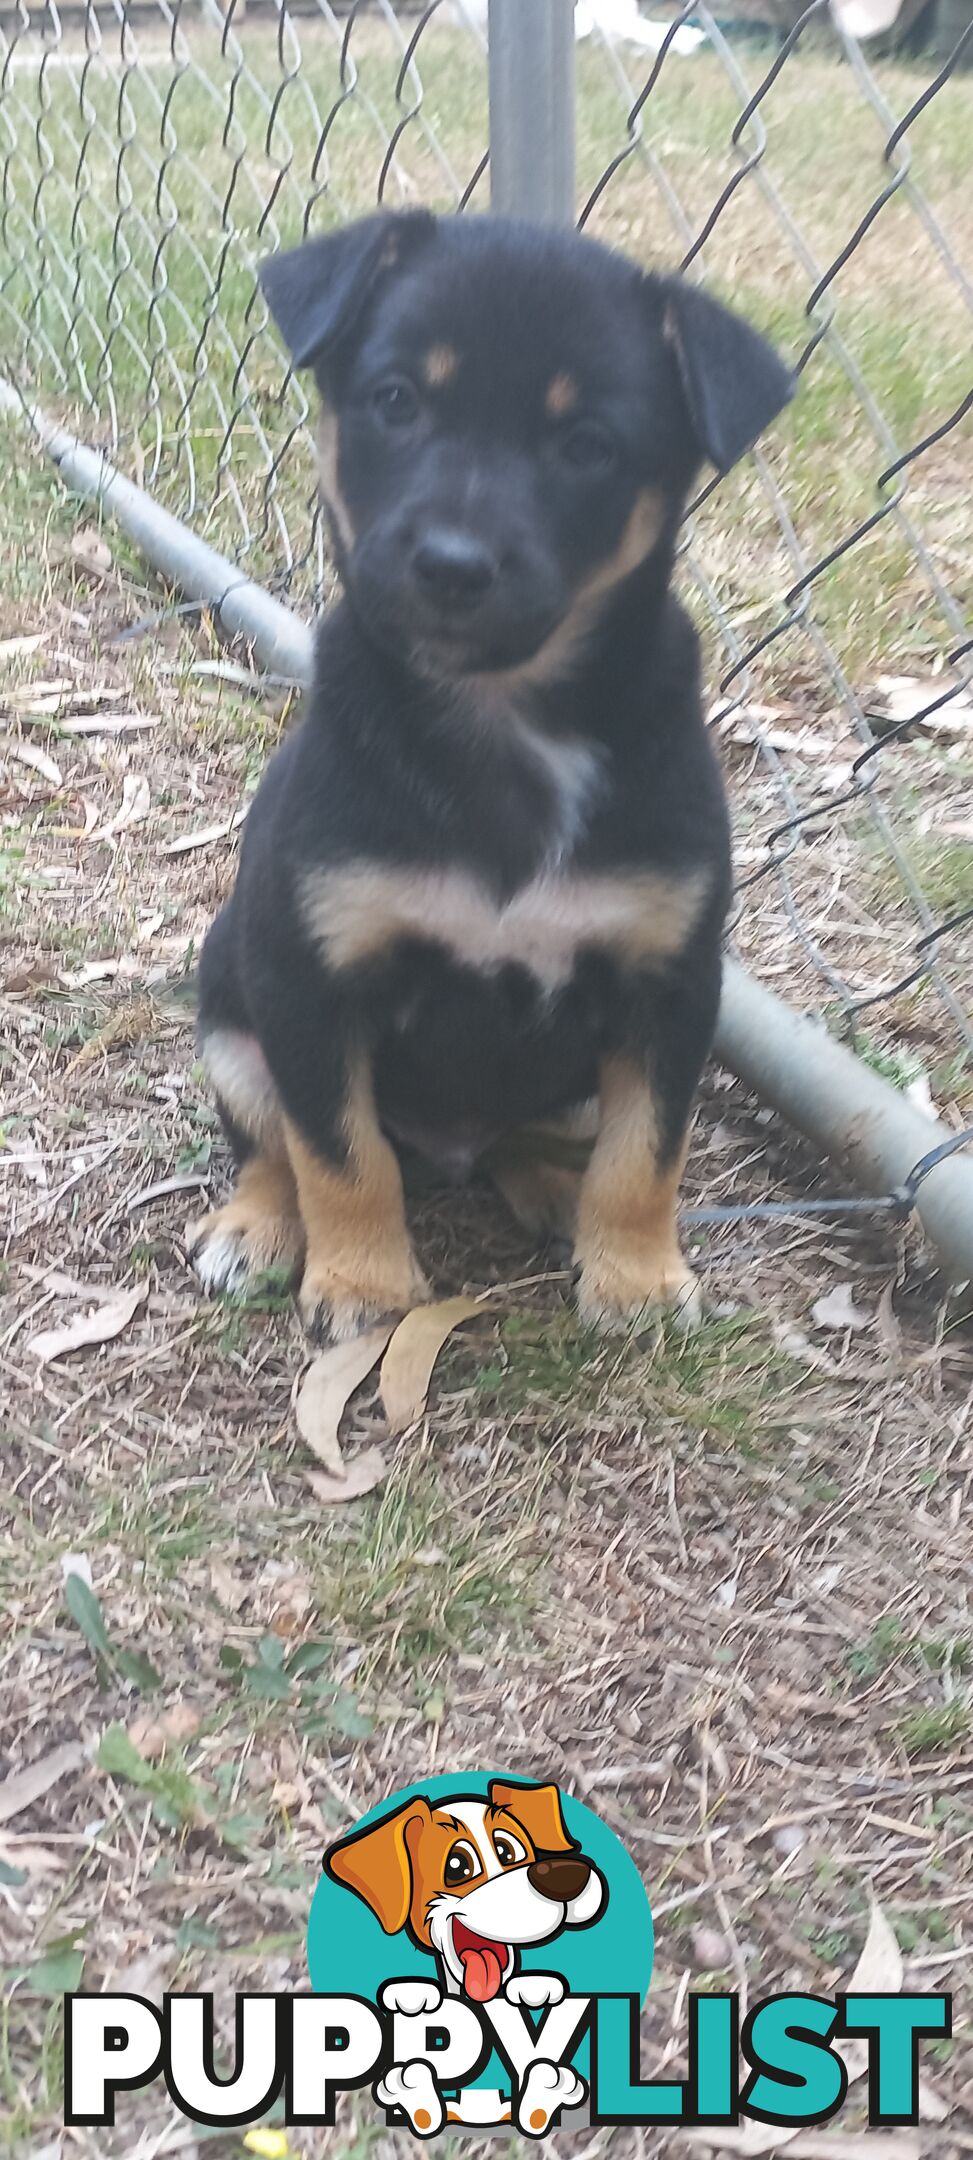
(361, 910)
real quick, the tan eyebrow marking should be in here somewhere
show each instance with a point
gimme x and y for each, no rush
(439, 366)
(562, 396)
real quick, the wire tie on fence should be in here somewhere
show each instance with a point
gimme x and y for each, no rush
(898, 1204)
(905, 1194)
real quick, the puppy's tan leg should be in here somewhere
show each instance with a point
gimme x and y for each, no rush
(259, 1228)
(628, 1241)
(360, 1265)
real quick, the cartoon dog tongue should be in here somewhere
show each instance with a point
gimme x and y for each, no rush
(483, 1963)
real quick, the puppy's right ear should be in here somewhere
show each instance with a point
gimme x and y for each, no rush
(316, 292)
(376, 1863)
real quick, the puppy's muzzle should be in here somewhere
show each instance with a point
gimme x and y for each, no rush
(453, 570)
(561, 1876)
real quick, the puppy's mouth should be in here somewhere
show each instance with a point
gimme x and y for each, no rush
(485, 1963)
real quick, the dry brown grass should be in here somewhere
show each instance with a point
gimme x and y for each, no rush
(720, 1590)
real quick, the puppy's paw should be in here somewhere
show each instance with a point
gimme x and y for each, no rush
(613, 1294)
(334, 1309)
(547, 2088)
(535, 1989)
(232, 1247)
(412, 2087)
(411, 1998)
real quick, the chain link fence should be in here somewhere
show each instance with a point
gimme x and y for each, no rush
(150, 155)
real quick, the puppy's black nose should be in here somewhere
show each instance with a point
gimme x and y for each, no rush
(452, 568)
(561, 1876)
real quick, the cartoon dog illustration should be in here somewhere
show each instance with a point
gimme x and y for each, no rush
(474, 1882)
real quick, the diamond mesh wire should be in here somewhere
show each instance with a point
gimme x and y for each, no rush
(151, 153)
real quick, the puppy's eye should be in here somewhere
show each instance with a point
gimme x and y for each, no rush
(461, 1863)
(509, 1850)
(587, 448)
(395, 403)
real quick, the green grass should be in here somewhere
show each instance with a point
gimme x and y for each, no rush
(725, 1379)
(943, 869)
(146, 236)
(924, 1732)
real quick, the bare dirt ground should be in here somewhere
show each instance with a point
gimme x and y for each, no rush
(719, 1589)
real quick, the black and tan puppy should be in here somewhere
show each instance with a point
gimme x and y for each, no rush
(485, 880)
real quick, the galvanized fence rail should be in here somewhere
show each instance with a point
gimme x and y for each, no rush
(151, 153)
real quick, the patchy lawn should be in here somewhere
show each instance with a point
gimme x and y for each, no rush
(719, 1588)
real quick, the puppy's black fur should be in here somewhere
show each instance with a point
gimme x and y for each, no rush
(485, 879)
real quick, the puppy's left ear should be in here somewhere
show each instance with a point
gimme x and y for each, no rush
(316, 292)
(734, 383)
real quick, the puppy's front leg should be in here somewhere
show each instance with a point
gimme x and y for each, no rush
(628, 1238)
(360, 1266)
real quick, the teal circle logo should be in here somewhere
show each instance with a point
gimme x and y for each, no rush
(467, 1881)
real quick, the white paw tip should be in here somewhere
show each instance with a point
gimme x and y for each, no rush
(412, 2087)
(548, 2087)
(534, 1990)
(220, 1262)
(411, 1997)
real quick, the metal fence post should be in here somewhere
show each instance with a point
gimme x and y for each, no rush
(532, 109)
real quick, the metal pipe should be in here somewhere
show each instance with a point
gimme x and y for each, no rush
(788, 1060)
(243, 607)
(532, 109)
(847, 1110)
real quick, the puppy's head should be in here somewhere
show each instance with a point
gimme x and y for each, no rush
(473, 1879)
(512, 418)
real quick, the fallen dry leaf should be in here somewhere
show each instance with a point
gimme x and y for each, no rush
(408, 1362)
(135, 805)
(11, 647)
(189, 1181)
(39, 700)
(799, 1346)
(108, 723)
(359, 1476)
(23, 980)
(906, 697)
(932, 2106)
(34, 1859)
(26, 753)
(326, 1388)
(206, 834)
(77, 1563)
(153, 1733)
(878, 1971)
(25, 1786)
(228, 1586)
(838, 1309)
(30, 1160)
(92, 971)
(98, 1326)
(90, 550)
